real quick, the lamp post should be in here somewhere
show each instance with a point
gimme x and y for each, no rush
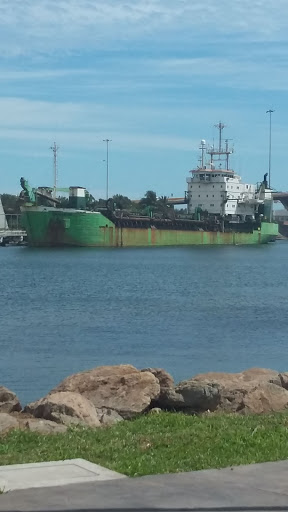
(107, 167)
(55, 167)
(270, 112)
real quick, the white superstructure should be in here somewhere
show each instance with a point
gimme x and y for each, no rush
(218, 190)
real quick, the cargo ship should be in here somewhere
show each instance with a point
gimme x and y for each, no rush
(221, 210)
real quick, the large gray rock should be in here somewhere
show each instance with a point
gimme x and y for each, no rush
(191, 395)
(122, 388)
(7, 422)
(8, 401)
(65, 407)
(45, 427)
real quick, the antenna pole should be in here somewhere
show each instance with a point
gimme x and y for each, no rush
(270, 112)
(202, 147)
(107, 167)
(55, 167)
(228, 152)
(220, 127)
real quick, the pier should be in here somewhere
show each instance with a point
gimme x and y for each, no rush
(10, 228)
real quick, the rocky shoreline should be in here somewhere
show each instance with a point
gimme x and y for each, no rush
(106, 395)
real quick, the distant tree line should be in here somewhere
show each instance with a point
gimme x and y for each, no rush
(11, 203)
(150, 203)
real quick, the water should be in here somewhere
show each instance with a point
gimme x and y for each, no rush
(187, 310)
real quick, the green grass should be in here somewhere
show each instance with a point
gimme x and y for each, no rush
(161, 443)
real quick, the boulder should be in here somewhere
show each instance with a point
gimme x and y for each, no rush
(265, 398)
(191, 395)
(122, 388)
(284, 380)
(166, 383)
(45, 427)
(7, 422)
(108, 417)
(253, 376)
(8, 401)
(164, 378)
(65, 407)
(257, 390)
(170, 399)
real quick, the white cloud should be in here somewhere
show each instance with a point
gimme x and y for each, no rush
(84, 125)
(257, 71)
(78, 141)
(246, 72)
(42, 74)
(24, 113)
(50, 26)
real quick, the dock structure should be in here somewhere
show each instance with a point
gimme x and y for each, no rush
(281, 197)
(10, 227)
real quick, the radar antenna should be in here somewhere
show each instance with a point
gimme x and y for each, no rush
(220, 152)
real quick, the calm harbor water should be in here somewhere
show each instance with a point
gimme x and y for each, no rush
(187, 310)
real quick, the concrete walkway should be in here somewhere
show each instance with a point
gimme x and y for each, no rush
(51, 474)
(261, 487)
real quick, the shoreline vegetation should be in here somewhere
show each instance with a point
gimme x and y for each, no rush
(140, 422)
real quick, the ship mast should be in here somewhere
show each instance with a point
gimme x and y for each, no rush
(220, 151)
(55, 167)
(202, 147)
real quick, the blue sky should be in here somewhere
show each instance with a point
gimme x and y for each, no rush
(152, 75)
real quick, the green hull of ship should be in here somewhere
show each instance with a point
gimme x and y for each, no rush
(50, 227)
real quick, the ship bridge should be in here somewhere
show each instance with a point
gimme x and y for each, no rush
(281, 197)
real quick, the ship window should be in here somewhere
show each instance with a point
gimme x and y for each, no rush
(199, 204)
(199, 186)
(246, 186)
(199, 195)
(212, 195)
(213, 186)
(221, 186)
(233, 205)
(207, 195)
(237, 188)
(211, 204)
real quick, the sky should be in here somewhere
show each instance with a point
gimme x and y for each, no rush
(154, 77)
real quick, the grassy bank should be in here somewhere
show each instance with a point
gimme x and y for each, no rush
(159, 443)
